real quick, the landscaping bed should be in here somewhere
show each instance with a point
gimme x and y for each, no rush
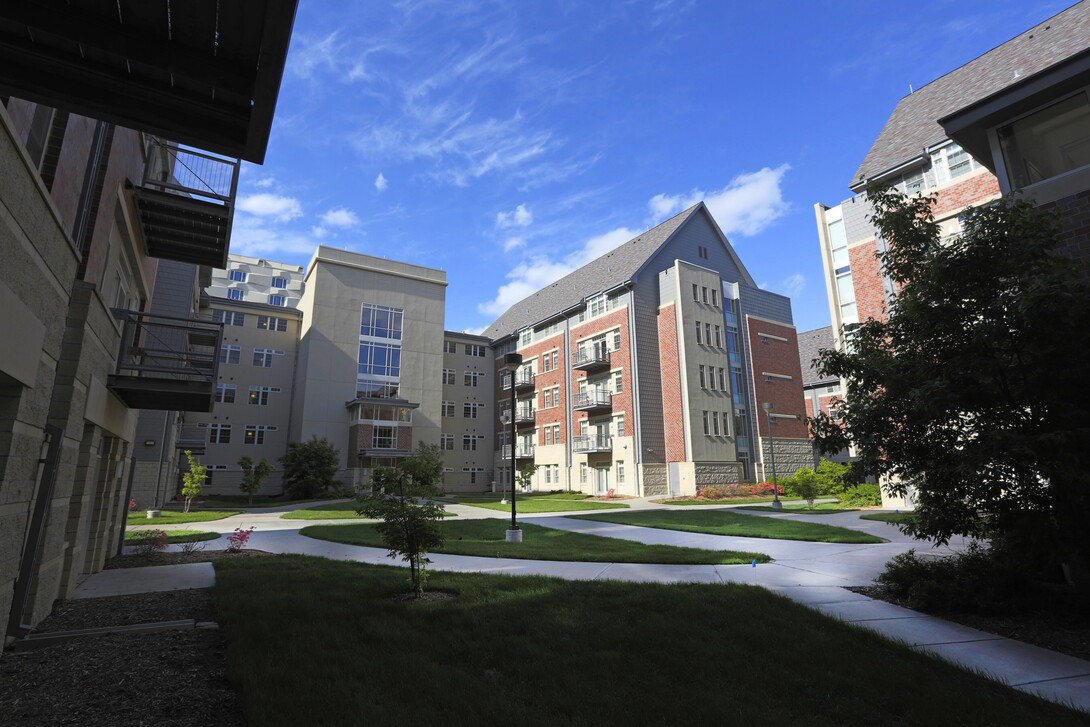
(728, 522)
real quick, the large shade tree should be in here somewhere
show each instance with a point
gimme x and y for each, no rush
(974, 392)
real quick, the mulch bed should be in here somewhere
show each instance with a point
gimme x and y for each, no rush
(1062, 630)
(176, 678)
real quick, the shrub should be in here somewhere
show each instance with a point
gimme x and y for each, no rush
(978, 580)
(237, 540)
(309, 468)
(807, 485)
(736, 490)
(147, 542)
(192, 480)
(252, 475)
(865, 495)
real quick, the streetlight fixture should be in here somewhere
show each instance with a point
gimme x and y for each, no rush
(776, 504)
(512, 362)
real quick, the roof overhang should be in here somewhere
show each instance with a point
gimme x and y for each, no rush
(375, 401)
(969, 126)
(199, 72)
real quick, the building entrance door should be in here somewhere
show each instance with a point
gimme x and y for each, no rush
(601, 480)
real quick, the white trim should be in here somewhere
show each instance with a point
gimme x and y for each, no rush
(774, 337)
(777, 376)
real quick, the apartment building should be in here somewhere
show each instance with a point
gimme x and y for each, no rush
(95, 193)
(644, 372)
(467, 438)
(1014, 119)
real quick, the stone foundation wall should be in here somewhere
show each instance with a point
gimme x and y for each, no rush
(791, 456)
(655, 479)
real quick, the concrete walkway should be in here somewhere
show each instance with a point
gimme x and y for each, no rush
(813, 574)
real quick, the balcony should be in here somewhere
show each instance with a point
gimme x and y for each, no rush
(592, 400)
(192, 437)
(593, 443)
(524, 379)
(590, 359)
(186, 203)
(166, 362)
(522, 451)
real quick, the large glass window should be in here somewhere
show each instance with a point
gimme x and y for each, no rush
(379, 321)
(380, 358)
(845, 292)
(1047, 143)
(838, 242)
(951, 162)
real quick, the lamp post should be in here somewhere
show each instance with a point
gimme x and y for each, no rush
(512, 362)
(776, 504)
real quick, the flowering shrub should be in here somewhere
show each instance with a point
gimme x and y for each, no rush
(237, 540)
(736, 490)
(132, 504)
(147, 542)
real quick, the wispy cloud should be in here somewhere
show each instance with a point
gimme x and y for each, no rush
(380, 183)
(342, 218)
(518, 217)
(265, 183)
(792, 286)
(271, 205)
(747, 205)
(513, 243)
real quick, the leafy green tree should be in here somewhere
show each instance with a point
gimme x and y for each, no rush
(526, 476)
(974, 391)
(309, 468)
(411, 524)
(807, 485)
(252, 475)
(834, 478)
(193, 479)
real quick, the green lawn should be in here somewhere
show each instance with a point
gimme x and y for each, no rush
(820, 508)
(173, 536)
(528, 505)
(721, 503)
(170, 517)
(259, 501)
(488, 538)
(888, 517)
(325, 638)
(726, 522)
(330, 511)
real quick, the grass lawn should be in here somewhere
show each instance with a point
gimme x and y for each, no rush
(488, 538)
(888, 517)
(330, 511)
(174, 536)
(725, 522)
(722, 503)
(170, 517)
(529, 504)
(820, 508)
(310, 636)
(259, 501)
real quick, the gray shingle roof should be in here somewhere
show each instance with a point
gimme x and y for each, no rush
(616, 267)
(914, 122)
(810, 344)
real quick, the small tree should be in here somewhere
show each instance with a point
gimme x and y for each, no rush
(193, 480)
(834, 478)
(807, 485)
(526, 476)
(252, 475)
(309, 468)
(409, 528)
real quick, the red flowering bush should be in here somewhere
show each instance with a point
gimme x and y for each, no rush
(237, 540)
(736, 490)
(147, 542)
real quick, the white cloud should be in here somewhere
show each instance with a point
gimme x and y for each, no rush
(513, 242)
(380, 183)
(474, 331)
(746, 206)
(519, 217)
(538, 270)
(792, 286)
(271, 205)
(250, 236)
(265, 183)
(342, 218)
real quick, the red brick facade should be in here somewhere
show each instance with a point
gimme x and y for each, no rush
(670, 378)
(777, 357)
(967, 193)
(870, 296)
(1074, 223)
(618, 360)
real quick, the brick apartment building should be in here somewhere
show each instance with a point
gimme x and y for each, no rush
(1016, 119)
(645, 370)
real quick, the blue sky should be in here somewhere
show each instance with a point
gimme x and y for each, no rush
(510, 142)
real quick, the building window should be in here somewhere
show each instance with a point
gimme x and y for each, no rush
(225, 393)
(266, 323)
(448, 408)
(722, 380)
(472, 377)
(473, 472)
(448, 442)
(380, 359)
(384, 437)
(617, 340)
(450, 347)
(845, 292)
(277, 300)
(715, 297)
(449, 377)
(259, 395)
(617, 382)
(618, 426)
(708, 333)
(469, 410)
(696, 293)
(711, 378)
(715, 423)
(707, 430)
(952, 162)
(703, 383)
(596, 306)
(718, 337)
(469, 442)
(545, 363)
(620, 472)
(583, 473)
(230, 354)
(255, 433)
(526, 337)
(475, 350)
(219, 433)
(229, 318)
(236, 276)
(726, 424)
(698, 330)
(379, 321)
(263, 357)
(704, 294)
(234, 294)
(279, 283)
(1047, 143)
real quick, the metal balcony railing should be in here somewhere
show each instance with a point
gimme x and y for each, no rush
(590, 358)
(166, 362)
(523, 379)
(522, 451)
(592, 399)
(593, 443)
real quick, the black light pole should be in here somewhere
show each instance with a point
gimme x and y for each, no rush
(776, 504)
(512, 362)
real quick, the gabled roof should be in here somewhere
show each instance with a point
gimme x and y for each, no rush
(617, 267)
(810, 345)
(913, 126)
